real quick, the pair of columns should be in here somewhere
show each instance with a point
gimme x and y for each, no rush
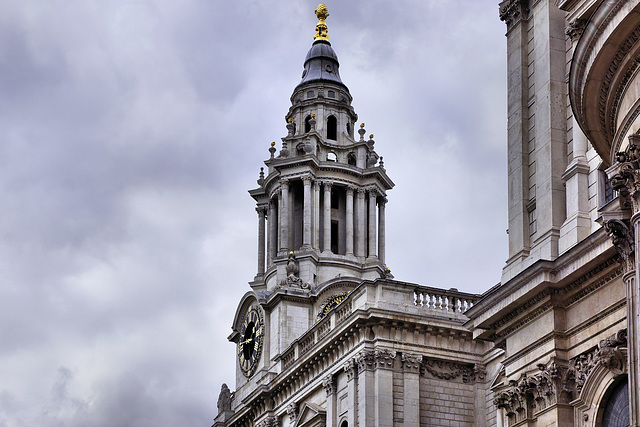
(625, 234)
(279, 231)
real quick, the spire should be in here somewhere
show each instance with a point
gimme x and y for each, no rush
(321, 27)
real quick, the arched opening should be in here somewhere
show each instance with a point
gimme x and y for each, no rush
(351, 159)
(616, 406)
(332, 128)
(349, 129)
(332, 157)
(344, 424)
(307, 124)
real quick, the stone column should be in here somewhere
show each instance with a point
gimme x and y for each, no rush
(366, 389)
(327, 218)
(273, 232)
(306, 215)
(316, 215)
(625, 178)
(349, 221)
(262, 213)
(330, 386)
(411, 376)
(381, 229)
(284, 216)
(577, 225)
(384, 363)
(351, 369)
(360, 231)
(373, 194)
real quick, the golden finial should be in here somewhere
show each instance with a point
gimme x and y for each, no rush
(313, 115)
(273, 144)
(290, 119)
(371, 136)
(361, 125)
(321, 26)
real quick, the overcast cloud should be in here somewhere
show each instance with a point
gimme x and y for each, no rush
(131, 131)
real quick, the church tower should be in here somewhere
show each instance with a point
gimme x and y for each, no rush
(321, 215)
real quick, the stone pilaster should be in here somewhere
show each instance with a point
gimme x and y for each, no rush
(272, 248)
(306, 213)
(262, 214)
(316, 215)
(351, 369)
(411, 376)
(373, 194)
(625, 178)
(284, 217)
(360, 224)
(382, 233)
(384, 364)
(327, 218)
(330, 386)
(366, 388)
(349, 221)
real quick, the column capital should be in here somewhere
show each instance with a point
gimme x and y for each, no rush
(365, 360)
(361, 192)
(384, 359)
(284, 183)
(621, 234)
(625, 174)
(373, 191)
(330, 384)
(350, 189)
(411, 362)
(327, 184)
(262, 209)
(350, 368)
(575, 28)
(316, 184)
(307, 179)
(513, 11)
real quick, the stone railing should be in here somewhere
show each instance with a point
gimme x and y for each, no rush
(316, 333)
(451, 301)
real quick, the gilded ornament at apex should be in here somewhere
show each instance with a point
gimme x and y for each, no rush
(321, 27)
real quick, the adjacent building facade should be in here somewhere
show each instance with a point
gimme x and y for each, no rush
(327, 336)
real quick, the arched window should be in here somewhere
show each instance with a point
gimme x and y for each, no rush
(348, 128)
(344, 424)
(332, 157)
(307, 124)
(616, 410)
(332, 128)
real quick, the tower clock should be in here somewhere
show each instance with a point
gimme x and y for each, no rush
(251, 338)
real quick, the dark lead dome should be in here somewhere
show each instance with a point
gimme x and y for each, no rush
(321, 64)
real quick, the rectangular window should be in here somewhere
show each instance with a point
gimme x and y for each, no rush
(533, 226)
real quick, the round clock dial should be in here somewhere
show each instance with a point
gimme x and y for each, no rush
(251, 337)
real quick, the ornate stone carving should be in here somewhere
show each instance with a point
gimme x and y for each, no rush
(475, 373)
(330, 385)
(293, 270)
(512, 11)
(384, 359)
(224, 399)
(411, 362)
(449, 370)
(621, 235)
(268, 422)
(626, 178)
(365, 360)
(575, 28)
(350, 368)
(292, 411)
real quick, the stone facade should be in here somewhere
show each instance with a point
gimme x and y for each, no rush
(327, 336)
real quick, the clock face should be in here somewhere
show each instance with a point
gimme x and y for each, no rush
(331, 303)
(251, 337)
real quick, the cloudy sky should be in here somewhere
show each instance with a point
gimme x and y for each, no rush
(131, 131)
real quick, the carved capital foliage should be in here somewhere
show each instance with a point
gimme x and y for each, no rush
(512, 11)
(350, 368)
(330, 385)
(292, 411)
(558, 381)
(384, 359)
(268, 422)
(307, 179)
(365, 360)
(626, 179)
(621, 235)
(575, 28)
(411, 362)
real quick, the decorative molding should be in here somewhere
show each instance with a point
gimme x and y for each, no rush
(513, 11)
(330, 385)
(411, 363)
(446, 370)
(575, 29)
(384, 359)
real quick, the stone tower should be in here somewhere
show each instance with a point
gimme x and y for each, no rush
(321, 210)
